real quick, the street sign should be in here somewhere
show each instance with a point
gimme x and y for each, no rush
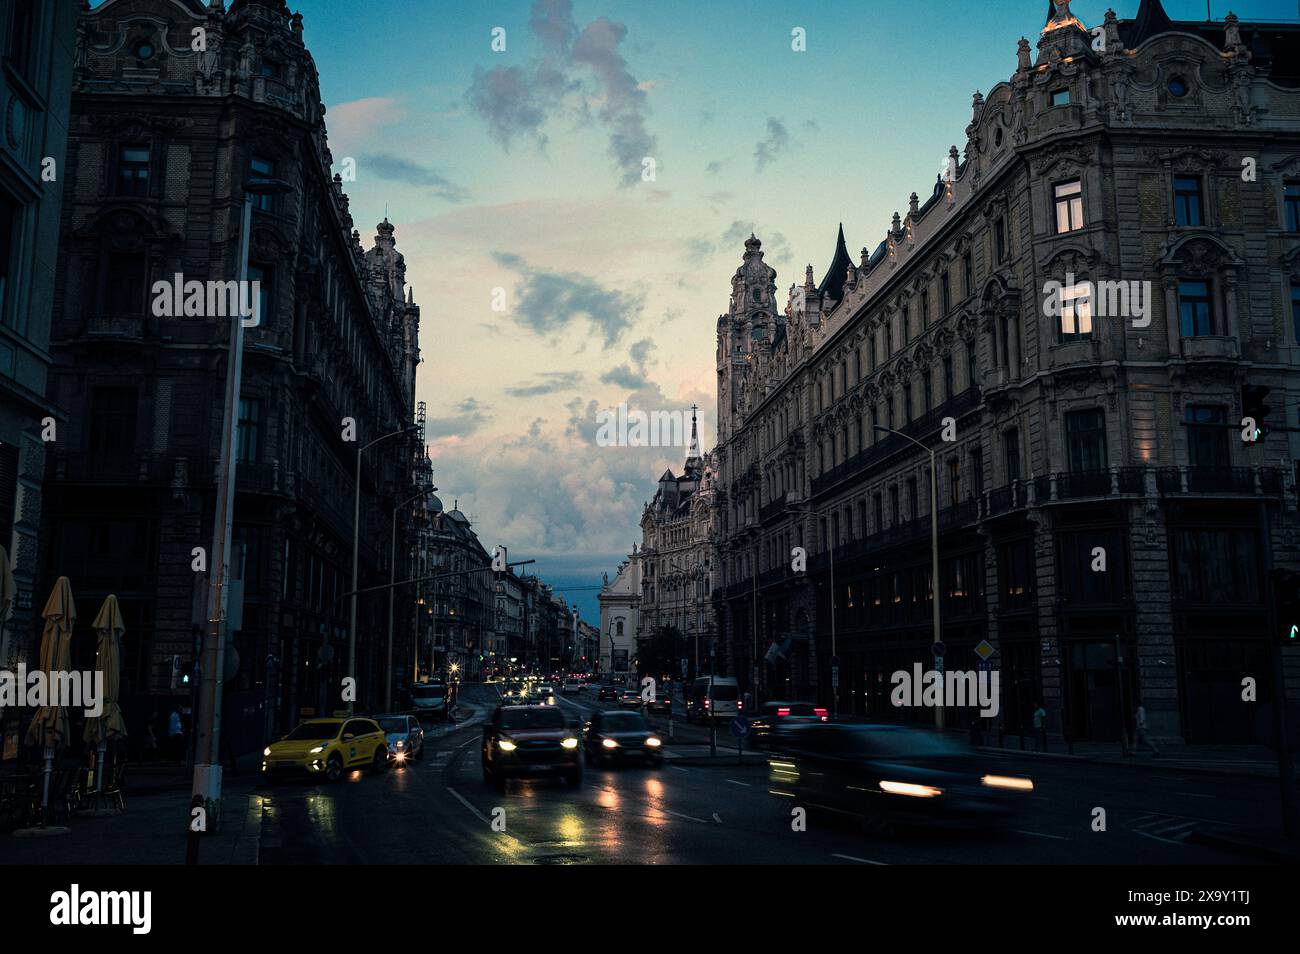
(985, 649)
(740, 727)
(938, 649)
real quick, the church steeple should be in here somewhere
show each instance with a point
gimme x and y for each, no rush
(694, 462)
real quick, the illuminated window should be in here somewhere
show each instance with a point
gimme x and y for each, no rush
(1076, 311)
(1069, 206)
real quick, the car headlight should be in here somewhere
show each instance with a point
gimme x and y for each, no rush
(266, 751)
(505, 745)
(316, 751)
(1007, 781)
(570, 743)
(653, 742)
(609, 743)
(908, 788)
(399, 743)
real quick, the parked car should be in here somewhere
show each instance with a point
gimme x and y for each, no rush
(430, 698)
(892, 776)
(773, 718)
(616, 736)
(327, 748)
(529, 741)
(405, 737)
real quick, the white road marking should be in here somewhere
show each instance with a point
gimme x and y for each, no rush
(1039, 834)
(680, 815)
(734, 782)
(861, 861)
(1147, 834)
(716, 818)
(464, 801)
(677, 768)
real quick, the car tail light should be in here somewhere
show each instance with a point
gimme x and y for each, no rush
(707, 703)
(739, 705)
(783, 711)
(822, 713)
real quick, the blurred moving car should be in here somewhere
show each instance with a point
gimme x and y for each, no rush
(616, 736)
(430, 698)
(543, 690)
(405, 737)
(629, 699)
(327, 748)
(662, 702)
(608, 693)
(571, 687)
(529, 741)
(514, 692)
(773, 717)
(713, 697)
(891, 776)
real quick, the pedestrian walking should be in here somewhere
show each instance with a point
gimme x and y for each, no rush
(1040, 728)
(1140, 724)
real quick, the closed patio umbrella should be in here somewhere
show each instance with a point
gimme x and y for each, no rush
(108, 627)
(50, 724)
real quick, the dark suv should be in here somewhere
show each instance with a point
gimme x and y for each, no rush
(528, 741)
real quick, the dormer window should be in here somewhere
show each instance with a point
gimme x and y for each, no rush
(1060, 97)
(143, 49)
(1178, 87)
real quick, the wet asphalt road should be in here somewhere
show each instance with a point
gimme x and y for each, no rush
(439, 811)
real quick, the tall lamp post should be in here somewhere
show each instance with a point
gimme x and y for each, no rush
(207, 761)
(392, 577)
(934, 546)
(356, 547)
(830, 552)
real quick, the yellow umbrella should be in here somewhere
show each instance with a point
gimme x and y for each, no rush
(108, 660)
(50, 725)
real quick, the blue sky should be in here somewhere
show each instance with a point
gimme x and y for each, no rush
(520, 170)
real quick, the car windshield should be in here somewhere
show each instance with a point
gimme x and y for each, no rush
(314, 730)
(532, 719)
(393, 726)
(893, 743)
(624, 722)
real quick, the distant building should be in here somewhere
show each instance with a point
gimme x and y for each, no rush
(37, 47)
(464, 606)
(675, 618)
(620, 600)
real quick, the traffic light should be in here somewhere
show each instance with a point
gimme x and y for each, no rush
(1286, 602)
(1253, 406)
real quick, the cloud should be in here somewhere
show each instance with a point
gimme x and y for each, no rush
(776, 247)
(775, 142)
(470, 417)
(624, 377)
(517, 101)
(354, 122)
(549, 382)
(713, 168)
(387, 166)
(546, 301)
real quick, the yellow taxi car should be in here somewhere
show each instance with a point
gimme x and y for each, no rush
(328, 748)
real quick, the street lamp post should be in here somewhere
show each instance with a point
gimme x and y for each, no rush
(934, 547)
(207, 761)
(356, 549)
(392, 590)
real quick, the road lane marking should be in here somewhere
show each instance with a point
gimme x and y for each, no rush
(680, 815)
(861, 861)
(677, 768)
(1195, 795)
(734, 782)
(1039, 834)
(464, 801)
(1147, 834)
(716, 818)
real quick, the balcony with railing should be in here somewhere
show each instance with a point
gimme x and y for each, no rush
(772, 510)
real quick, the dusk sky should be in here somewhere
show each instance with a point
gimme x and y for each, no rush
(522, 170)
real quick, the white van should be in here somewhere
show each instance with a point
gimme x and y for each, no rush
(713, 697)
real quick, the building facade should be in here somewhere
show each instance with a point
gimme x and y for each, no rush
(463, 608)
(163, 137)
(675, 618)
(37, 42)
(1075, 321)
(620, 602)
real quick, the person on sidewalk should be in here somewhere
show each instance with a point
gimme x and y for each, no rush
(1140, 725)
(176, 735)
(1040, 728)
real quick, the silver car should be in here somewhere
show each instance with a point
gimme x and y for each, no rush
(405, 737)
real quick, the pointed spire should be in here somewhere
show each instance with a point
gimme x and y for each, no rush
(693, 458)
(1150, 20)
(833, 284)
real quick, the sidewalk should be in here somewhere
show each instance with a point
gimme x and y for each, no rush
(1256, 761)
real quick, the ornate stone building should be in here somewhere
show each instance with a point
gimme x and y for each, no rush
(36, 52)
(620, 600)
(675, 617)
(1097, 415)
(163, 137)
(465, 612)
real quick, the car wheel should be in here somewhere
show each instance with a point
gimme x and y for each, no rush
(379, 764)
(334, 768)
